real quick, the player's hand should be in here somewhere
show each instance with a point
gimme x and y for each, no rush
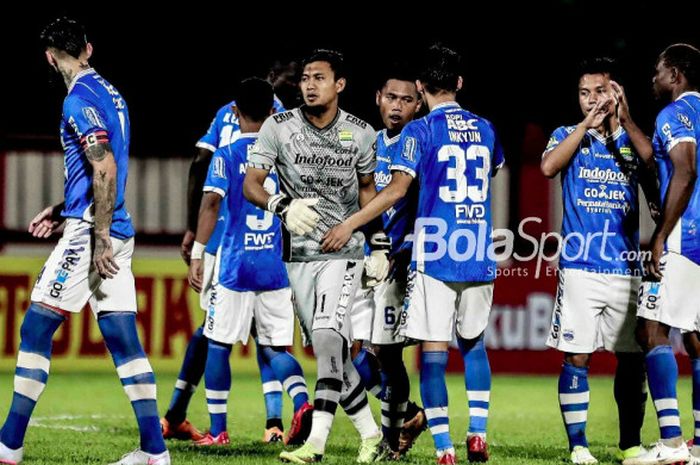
(186, 246)
(622, 107)
(103, 257)
(653, 266)
(377, 267)
(299, 217)
(194, 275)
(45, 223)
(336, 238)
(601, 110)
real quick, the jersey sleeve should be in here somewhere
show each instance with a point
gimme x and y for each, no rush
(263, 154)
(367, 161)
(675, 125)
(210, 140)
(555, 139)
(410, 151)
(87, 121)
(498, 158)
(217, 180)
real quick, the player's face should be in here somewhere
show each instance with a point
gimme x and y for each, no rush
(662, 79)
(318, 84)
(398, 103)
(591, 89)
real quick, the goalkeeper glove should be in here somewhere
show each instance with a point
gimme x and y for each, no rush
(296, 214)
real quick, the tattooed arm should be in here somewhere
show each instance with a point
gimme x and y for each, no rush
(104, 187)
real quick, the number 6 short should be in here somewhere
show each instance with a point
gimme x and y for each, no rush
(673, 300)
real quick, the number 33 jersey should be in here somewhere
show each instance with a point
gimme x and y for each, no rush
(453, 153)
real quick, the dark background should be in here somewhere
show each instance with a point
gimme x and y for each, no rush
(176, 67)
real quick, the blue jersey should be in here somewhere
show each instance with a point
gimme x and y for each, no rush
(251, 244)
(217, 182)
(398, 220)
(680, 122)
(453, 153)
(94, 111)
(600, 225)
(224, 128)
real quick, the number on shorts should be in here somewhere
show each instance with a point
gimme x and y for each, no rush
(390, 316)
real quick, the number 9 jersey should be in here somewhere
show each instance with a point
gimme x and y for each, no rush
(453, 153)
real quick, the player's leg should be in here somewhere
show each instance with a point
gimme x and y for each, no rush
(617, 329)
(430, 317)
(662, 305)
(574, 331)
(174, 423)
(691, 341)
(31, 374)
(272, 393)
(365, 361)
(217, 382)
(62, 285)
(274, 325)
(114, 305)
(474, 307)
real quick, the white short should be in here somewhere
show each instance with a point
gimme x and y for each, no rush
(208, 264)
(324, 293)
(231, 315)
(69, 280)
(594, 310)
(434, 309)
(674, 300)
(376, 313)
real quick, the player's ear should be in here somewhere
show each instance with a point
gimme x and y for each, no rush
(419, 87)
(340, 85)
(378, 97)
(459, 82)
(51, 59)
(235, 111)
(88, 50)
(675, 74)
(272, 111)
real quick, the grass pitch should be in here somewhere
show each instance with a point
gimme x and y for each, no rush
(85, 418)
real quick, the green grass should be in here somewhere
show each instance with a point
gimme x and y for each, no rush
(85, 418)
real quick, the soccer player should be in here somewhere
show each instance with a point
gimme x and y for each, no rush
(325, 161)
(251, 242)
(452, 153)
(668, 297)
(375, 315)
(92, 261)
(224, 129)
(599, 160)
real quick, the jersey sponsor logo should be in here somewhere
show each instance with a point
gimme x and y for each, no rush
(602, 192)
(469, 212)
(258, 241)
(329, 181)
(603, 175)
(93, 117)
(463, 137)
(323, 161)
(356, 121)
(685, 121)
(346, 293)
(457, 123)
(71, 258)
(282, 117)
(382, 179)
(409, 149)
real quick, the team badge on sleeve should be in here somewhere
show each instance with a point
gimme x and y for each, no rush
(409, 149)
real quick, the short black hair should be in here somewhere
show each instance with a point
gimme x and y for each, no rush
(597, 65)
(441, 69)
(255, 98)
(65, 34)
(686, 58)
(332, 57)
(399, 70)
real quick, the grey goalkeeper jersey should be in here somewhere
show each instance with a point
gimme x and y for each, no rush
(323, 163)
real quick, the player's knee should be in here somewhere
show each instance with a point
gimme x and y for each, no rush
(578, 360)
(328, 342)
(651, 334)
(39, 325)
